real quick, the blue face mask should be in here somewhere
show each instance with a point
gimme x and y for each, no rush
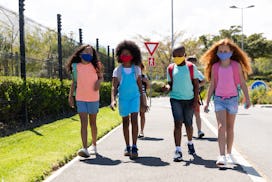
(223, 56)
(87, 57)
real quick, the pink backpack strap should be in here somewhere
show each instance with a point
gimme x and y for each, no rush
(170, 71)
(215, 68)
(191, 69)
(236, 75)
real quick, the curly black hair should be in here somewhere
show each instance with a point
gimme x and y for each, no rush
(132, 48)
(75, 58)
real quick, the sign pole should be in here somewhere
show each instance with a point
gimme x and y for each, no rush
(151, 48)
(150, 93)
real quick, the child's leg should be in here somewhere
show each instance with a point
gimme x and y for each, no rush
(126, 129)
(142, 115)
(84, 129)
(93, 128)
(177, 133)
(230, 131)
(189, 131)
(134, 123)
(198, 120)
(221, 121)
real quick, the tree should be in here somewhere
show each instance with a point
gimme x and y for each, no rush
(258, 46)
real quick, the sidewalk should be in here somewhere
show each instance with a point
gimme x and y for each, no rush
(155, 162)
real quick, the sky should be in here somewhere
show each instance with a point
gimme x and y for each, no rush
(115, 20)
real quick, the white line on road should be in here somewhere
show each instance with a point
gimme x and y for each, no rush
(247, 167)
(77, 158)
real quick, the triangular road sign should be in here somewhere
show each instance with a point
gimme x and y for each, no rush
(151, 47)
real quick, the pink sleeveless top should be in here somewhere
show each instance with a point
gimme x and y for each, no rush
(226, 86)
(86, 79)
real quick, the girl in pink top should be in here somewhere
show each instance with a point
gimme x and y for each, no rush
(226, 67)
(87, 74)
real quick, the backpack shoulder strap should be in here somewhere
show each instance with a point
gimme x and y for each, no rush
(235, 69)
(170, 69)
(215, 68)
(191, 69)
(74, 76)
(119, 73)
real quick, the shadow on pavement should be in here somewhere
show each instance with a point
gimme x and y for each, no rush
(151, 139)
(151, 161)
(197, 160)
(101, 160)
(210, 139)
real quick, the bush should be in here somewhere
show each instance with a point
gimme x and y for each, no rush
(105, 94)
(157, 88)
(45, 98)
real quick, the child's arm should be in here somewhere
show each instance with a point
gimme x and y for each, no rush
(244, 87)
(196, 90)
(114, 87)
(139, 82)
(70, 97)
(145, 79)
(99, 81)
(210, 92)
(202, 83)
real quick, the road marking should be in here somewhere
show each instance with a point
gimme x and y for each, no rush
(247, 167)
(63, 168)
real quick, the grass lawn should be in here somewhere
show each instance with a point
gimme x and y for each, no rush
(33, 154)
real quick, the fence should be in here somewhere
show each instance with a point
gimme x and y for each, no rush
(41, 45)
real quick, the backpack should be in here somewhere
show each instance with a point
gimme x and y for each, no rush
(191, 70)
(171, 68)
(236, 76)
(74, 77)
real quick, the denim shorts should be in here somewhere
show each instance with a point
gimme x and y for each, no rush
(182, 111)
(228, 104)
(87, 107)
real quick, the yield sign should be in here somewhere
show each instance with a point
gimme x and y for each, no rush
(151, 47)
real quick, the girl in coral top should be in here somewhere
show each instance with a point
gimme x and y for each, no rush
(87, 74)
(227, 67)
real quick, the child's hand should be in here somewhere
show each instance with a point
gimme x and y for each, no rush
(166, 88)
(247, 104)
(100, 75)
(206, 108)
(71, 102)
(144, 108)
(113, 105)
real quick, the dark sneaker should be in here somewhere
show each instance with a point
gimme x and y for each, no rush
(191, 149)
(178, 156)
(127, 151)
(134, 153)
(141, 135)
(201, 134)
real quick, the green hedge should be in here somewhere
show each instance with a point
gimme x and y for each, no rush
(44, 98)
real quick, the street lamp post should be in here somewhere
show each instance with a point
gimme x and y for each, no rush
(172, 25)
(242, 19)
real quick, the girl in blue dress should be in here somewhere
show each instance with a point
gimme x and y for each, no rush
(128, 84)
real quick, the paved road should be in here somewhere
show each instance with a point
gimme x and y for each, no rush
(156, 152)
(253, 131)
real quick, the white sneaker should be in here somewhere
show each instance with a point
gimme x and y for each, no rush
(83, 153)
(230, 159)
(221, 160)
(93, 150)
